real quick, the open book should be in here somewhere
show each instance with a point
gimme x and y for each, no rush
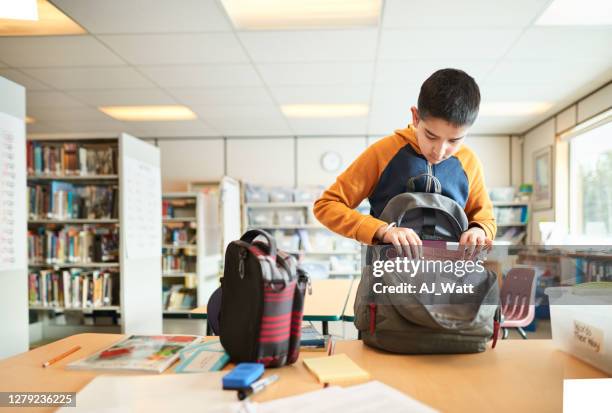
(138, 353)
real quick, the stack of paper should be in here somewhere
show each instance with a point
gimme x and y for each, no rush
(335, 369)
(373, 396)
(201, 392)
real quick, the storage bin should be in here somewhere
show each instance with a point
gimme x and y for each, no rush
(287, 242)
(317, 270)
(281, 194)
(307, 194)
(581, 322)
(261, 217)
(254, 193)
(502, 194)
(293, 216)
(321, 240)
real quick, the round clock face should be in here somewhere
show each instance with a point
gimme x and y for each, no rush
(331, 161)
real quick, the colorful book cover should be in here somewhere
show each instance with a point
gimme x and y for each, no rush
(138, 353)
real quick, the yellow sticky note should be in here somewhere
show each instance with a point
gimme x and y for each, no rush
(336, 368)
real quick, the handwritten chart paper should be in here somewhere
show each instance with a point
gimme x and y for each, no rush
(143, 209)
(12, 193)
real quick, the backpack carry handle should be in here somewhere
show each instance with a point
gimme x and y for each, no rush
(437, 185)
(250, 235)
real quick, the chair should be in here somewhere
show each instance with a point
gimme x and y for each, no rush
(213, 310)
(518, 300)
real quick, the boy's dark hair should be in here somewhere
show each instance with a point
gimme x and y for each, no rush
(452, 95)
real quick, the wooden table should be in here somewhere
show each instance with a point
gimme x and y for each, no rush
(24, 372)
(517, 376)
(327, 302)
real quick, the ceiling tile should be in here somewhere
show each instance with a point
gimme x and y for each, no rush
(510, 125)
(249, 126)
(415, 72)
(54, 51)
(321, 94)
(335, 126)
(540, 91)
(203, 75)
(117, 97)
(35, 99)
(90, 78)
(399, 14)
(564, 43)
(151, 16)
(22, 79)
(158, 49)
(310, 46)
(66, 114)
(390, 108)
(221, 96)
(565, 74)
(170, 129)
(288, 74)
(452, 44)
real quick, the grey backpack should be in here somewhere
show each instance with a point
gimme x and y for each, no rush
(419, 322)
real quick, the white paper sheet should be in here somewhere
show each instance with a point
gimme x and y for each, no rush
(163, 393)
(12, 197)
(372, 396)
(143, 206)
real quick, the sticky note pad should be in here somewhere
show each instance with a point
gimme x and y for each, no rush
(336, 368)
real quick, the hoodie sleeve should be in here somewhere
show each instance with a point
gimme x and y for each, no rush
(479, 208)
(335, 208)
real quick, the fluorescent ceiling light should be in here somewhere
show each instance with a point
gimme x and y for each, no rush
(577, 12)
(18, 10)
(148, 113)
(302, 14)
(325, 111)
(50, 22)
(513, 108)
(29, 120)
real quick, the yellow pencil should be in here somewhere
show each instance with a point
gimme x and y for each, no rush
(61, 356)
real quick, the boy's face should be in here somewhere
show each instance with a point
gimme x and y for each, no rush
(438, 139)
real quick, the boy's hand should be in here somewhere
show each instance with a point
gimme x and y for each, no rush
(405, 240)
(475, 236)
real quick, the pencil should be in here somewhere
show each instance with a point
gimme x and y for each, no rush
(61, 356)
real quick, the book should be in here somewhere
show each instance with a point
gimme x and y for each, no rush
(151, 354)
(336, 368)
(208, 356)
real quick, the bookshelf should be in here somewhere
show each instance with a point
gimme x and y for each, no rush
(90, 230)
(512, 219)
(288, 214)
(190, 254)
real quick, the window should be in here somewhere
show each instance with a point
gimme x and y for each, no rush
(591, 185)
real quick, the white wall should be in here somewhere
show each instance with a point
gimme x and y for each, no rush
(297, 161)
(544, 135)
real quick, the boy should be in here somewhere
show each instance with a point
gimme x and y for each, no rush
(447, 107)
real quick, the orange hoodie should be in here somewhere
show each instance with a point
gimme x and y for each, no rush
(381, 172)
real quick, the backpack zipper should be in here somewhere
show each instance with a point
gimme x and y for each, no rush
(372, 317)
(430, 173)
(243, 256)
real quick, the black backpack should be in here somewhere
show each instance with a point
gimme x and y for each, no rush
(262, 302)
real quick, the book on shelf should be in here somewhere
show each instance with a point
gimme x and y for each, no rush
(73, 245)
(61, 200)
(151, 354)
(178, 297)
(70, 159)
(73, 288)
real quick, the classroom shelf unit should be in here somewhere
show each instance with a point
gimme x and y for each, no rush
(187, 262)
(287, 213)
(512, 219)
(81, 256)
